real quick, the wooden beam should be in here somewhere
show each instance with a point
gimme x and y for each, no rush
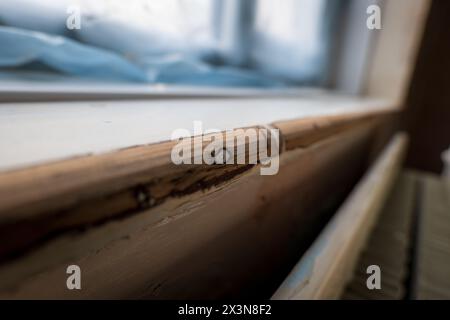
(58, 186)
(168, 251)
(45, 206)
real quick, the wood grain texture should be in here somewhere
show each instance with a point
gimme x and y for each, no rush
(56, 196)
(66, 210)
(232, 240)
(304, 132)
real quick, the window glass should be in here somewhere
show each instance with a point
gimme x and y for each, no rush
(205, 42)
(288, 37)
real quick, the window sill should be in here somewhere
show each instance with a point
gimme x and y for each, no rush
(37, 133)
(58, 176)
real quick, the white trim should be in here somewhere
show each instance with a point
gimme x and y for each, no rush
(34, 133)
(355, 49)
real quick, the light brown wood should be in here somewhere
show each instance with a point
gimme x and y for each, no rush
(212, 243)
(84, 191)
(66, 210)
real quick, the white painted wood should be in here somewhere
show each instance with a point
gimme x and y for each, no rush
(22, 86)
(394, 56)
(33, 133)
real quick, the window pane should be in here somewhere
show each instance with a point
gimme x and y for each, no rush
(148, 24)
(288, 39)
(207, 42)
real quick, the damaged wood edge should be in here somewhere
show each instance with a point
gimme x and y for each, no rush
(44, 201)
(117, 206)
(325, 268)
(80, 243)
(56, 186)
